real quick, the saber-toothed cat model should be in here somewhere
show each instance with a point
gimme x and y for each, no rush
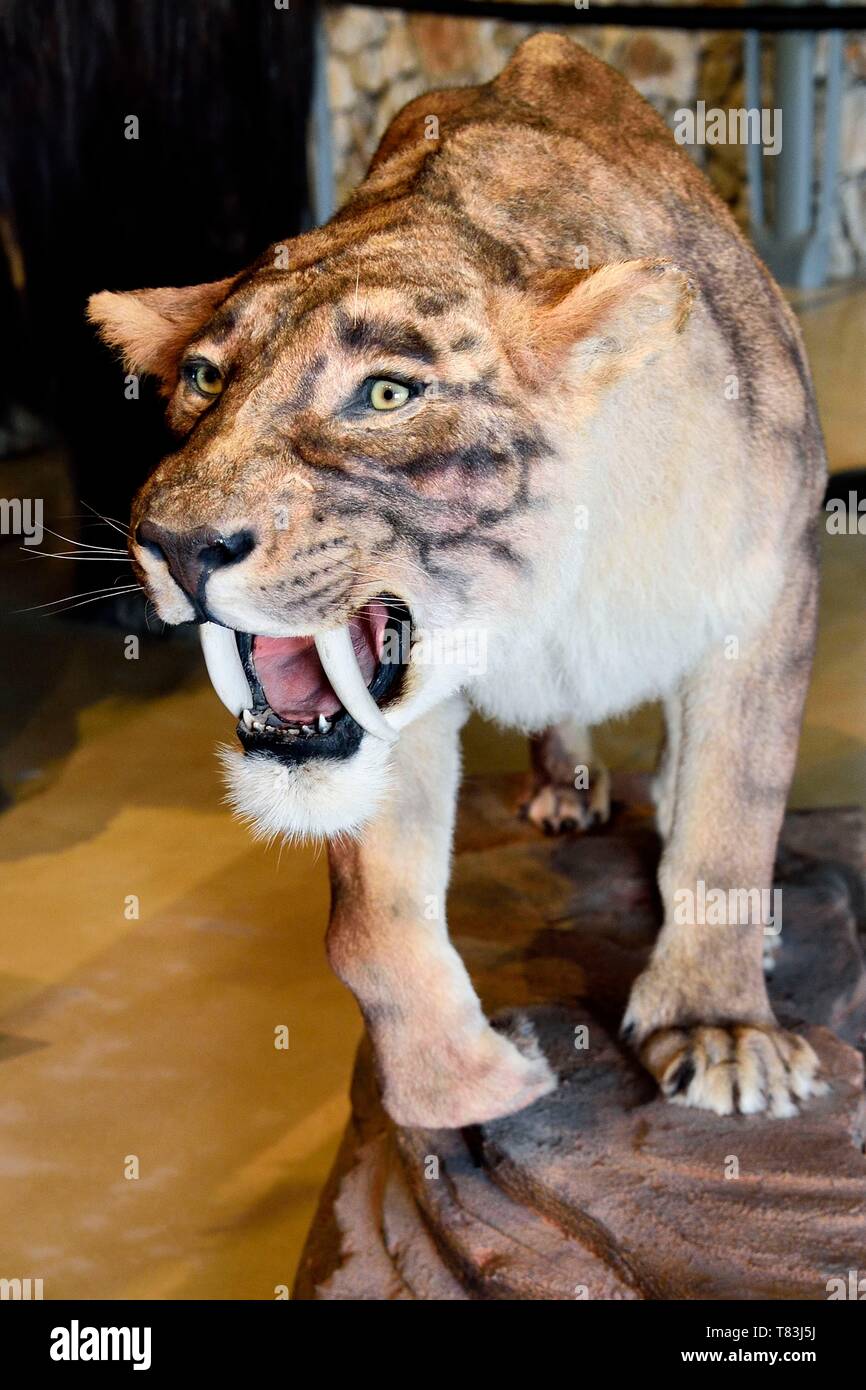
(422, 421)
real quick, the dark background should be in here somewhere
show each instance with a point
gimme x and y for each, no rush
(221, 91)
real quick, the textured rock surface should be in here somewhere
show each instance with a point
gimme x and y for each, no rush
(601, 1190)
(380, 59)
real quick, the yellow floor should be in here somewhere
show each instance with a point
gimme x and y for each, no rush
(149, 1038)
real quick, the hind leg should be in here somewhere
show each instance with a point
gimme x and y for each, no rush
(570, 788)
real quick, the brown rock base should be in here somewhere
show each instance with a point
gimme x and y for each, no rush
(602, 1190)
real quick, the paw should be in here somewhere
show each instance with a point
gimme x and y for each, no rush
(557, 808)
(469, 1084)
(741, 1067)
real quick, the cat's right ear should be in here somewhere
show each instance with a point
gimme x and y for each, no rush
(150, 328)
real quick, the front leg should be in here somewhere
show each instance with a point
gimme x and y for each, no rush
(699, 1015)
(440, 1063)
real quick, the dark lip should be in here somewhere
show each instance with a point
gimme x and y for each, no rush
(344, 737)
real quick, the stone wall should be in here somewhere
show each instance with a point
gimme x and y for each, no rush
(379, 59)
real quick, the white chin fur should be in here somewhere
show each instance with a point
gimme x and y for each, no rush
(320, 798)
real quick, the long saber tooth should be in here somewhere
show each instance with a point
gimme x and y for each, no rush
(337, 656)
(225, 668)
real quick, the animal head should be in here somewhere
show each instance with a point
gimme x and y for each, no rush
(366, 425)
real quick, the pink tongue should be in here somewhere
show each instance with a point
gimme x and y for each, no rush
(291, 675)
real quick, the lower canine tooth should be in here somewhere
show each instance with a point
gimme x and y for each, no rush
(324, 724)
(248, 719)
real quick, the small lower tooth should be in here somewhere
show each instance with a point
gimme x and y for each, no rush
(308, 729)
(257, 724)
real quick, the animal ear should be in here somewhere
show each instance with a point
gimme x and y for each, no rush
(150, 328)
(599, 322)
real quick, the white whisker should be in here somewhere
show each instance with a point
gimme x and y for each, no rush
(109, 549)
(67, 598)
(117, 559)
(109, 520)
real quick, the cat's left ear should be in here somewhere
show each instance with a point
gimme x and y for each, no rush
(594, 325)
(150, 328)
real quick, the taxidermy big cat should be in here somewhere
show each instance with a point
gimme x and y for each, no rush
(529, 383)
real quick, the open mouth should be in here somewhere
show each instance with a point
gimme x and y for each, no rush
(305, 697)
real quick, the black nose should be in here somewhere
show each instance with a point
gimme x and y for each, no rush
(192, 556)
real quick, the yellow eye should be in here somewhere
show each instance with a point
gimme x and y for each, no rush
(388, 395)
(205, 378)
